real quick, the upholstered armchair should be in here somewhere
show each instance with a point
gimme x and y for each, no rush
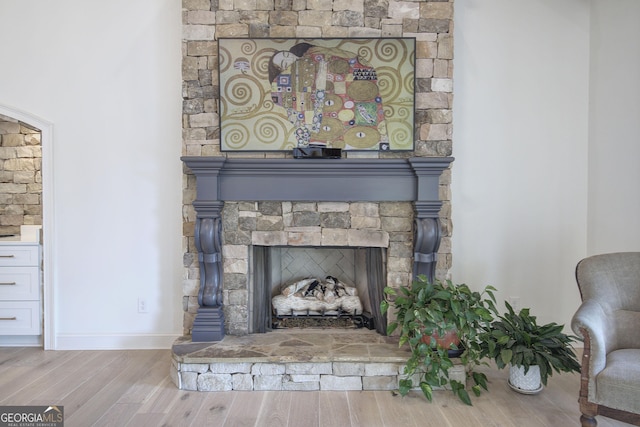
(609, 322)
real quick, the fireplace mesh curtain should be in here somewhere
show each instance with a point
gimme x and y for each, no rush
(376, 283)
(262, 294)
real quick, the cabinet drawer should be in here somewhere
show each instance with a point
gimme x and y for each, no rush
(19, 318)
(19, 283)
(18, 255)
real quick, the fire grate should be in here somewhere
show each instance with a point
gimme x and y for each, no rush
(340, 320)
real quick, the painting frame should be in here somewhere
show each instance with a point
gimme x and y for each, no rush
(356, 94)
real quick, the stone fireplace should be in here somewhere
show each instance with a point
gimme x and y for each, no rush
(392, 205)
(233, 202)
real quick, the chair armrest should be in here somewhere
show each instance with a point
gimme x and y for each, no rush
(592, 318)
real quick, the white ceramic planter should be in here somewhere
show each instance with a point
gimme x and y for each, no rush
(527, 384)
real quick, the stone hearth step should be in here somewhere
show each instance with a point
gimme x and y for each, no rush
(292, 359)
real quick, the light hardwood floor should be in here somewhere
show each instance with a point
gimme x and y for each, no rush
(132, 388)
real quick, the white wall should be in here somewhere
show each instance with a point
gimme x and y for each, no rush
(528, 199)
(519, 181)
(614, 131)
(106, 75)
(547, 101)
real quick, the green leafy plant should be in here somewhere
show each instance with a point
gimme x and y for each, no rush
(426, 310)
(517, 339)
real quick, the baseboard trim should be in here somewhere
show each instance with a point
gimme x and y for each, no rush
(21, 341)
(114, 341)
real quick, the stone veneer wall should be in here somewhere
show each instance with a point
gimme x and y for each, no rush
(20, 176)
(204, 21)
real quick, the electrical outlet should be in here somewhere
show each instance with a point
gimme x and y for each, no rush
(515, 303)
(142, 306)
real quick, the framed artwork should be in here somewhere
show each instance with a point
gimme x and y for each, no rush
(352, 94)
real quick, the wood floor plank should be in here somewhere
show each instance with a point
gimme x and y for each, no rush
(10, 383)
(363, 408)
(134, 369)
(155, 371)
(9, 354)
(334, 409)
(161, 399)
(520, 409)
(76, 400)
(22, 356)
(56, 380)
(147, 419)
(423, 412)
(275, 409)
(185, 409)
(75, 378)
(486, 414)
(454, 411)
(305, 409)
(485, 405)
(33, 367)
(214, 409)
(118, 415)
(158, 405)
(544, 406)
(245, 409)
(557, 399)
(393, 410)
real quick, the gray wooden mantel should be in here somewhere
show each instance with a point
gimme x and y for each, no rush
(219, 179)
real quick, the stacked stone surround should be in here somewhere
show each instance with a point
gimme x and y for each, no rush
(385, 225)
(20, 176)
(204, 22)
(294, 376)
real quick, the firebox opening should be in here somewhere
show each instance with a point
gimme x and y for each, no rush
(341, 287)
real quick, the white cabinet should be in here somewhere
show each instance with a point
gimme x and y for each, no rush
(20, 295)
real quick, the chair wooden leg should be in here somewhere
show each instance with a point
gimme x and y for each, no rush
(588, 421)
(587, 409)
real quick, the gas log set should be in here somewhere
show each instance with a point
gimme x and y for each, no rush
(318, 302)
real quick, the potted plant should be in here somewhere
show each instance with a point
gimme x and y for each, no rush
(426, 311)
(531, 351)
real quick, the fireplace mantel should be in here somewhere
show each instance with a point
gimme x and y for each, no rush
(334, 180)
(219, 179)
